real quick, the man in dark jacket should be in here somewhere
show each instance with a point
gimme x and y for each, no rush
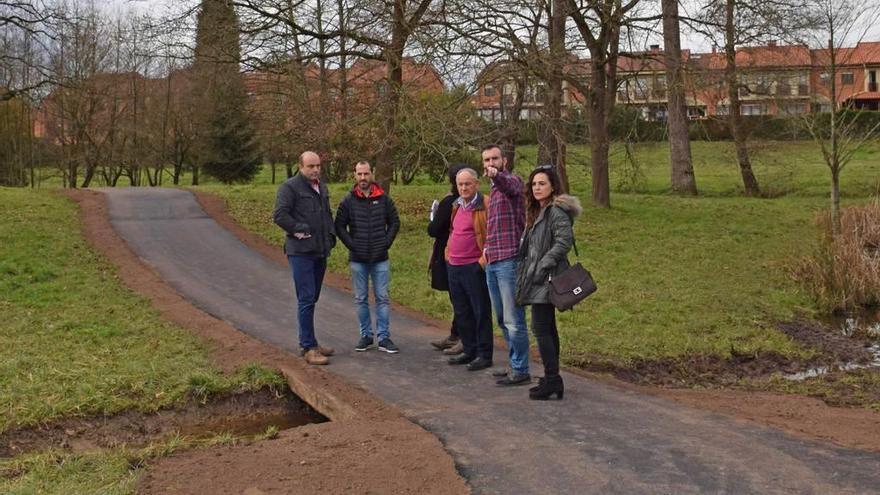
(367, 223)
(302, 209)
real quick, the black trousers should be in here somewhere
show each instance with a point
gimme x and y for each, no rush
(473, 310)
(547, 337)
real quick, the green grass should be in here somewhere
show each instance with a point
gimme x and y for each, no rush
(76, 343)
(790, 168)
(677, 276)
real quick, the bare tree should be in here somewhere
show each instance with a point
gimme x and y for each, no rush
(599, 23)
(373, 30)
(734, 23)
(74, 112)
(842, 132)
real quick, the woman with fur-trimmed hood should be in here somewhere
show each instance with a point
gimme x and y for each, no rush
(543, 253)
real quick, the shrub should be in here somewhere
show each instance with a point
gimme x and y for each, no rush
(844, 272)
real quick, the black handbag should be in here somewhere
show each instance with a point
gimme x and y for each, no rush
(571, 286)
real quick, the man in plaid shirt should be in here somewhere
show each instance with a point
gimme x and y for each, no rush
(504, 228)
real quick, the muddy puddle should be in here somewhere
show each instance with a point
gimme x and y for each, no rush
(861, 327)
(242, 415)
(836, 349)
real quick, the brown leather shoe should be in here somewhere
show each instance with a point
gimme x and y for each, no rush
(326, 351)
(313, 356)
(458, 348)
(445, 343)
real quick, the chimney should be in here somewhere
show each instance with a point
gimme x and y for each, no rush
(714, 49)
(771, 43)
(655, 48)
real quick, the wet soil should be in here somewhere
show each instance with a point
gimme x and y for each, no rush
(242, 414)
(349, 453)
(832, 349)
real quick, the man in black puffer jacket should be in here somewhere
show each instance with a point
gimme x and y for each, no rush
(367, 223)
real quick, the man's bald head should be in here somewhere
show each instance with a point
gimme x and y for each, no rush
(310, 165)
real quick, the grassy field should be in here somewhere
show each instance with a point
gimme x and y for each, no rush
(677, 275)
(76, 343)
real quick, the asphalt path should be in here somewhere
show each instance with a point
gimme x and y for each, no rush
(599, 439)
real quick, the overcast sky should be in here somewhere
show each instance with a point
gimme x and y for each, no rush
(161, 7)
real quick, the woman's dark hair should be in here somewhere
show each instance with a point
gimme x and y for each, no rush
(453, 171)
(533, 207)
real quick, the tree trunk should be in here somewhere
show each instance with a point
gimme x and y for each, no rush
(195, 177)
(551, 146)
(599, 136)
(394, 59)
(87, 177)
(835, 202)
(750, 183)
(683, 180)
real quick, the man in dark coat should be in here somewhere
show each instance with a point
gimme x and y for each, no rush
(367, 223)
(302, 210)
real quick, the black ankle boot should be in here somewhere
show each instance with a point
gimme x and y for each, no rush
(538, 386)
(547, 387)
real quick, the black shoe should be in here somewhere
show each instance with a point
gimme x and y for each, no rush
(539, 385)
(515, 378)
(388, 346)
(461, 359)
(364, 344)
(551, 385)
(501, 372)
(479, 364)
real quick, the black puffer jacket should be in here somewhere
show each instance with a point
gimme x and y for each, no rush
(544, 250)
(305, 216)
(367, 226)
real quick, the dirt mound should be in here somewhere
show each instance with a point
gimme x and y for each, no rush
(248, 413)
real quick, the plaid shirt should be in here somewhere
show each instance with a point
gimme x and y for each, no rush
(507, 217)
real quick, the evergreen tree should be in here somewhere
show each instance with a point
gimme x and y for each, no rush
(226, 145)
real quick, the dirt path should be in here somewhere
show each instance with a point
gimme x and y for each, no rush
(348, 453)
(603, 438)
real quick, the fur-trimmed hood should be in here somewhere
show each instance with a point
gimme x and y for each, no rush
(569, 204)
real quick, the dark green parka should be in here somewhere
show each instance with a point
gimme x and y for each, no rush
(544, 248)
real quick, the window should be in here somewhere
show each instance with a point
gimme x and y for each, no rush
(753, 109)
(803, 84)
(489, 90)
(381, 90)
(640, 88)
(722, 110)
(847, 78)
(540, 93)
(793, 108)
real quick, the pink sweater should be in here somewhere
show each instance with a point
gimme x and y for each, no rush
(463, 248)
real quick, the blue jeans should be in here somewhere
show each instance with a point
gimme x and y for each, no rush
(501, 280)
(308, 276)
(473, 311)
(361, 273)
